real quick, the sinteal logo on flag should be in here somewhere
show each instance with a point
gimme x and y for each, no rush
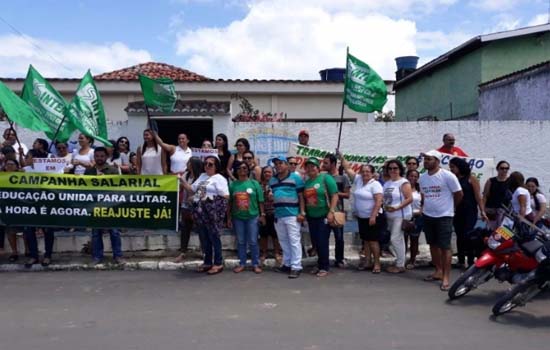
(158, 93)
(89, 108)
(49, 101)
(364, 90)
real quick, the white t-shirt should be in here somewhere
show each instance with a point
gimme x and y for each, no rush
(542, 201)
(88, 158)
(209, 187)
(520, 191)
(393, 196)
(151, 161)
(438, 192)
(417, 202)
(363, 196)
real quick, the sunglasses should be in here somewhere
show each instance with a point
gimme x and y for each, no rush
(209, 164)
(393, 168)
(292, 163)
(247, 158)
(503, 168)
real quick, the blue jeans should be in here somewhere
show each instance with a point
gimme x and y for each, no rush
(97, 243)
(320, 233)
(210, 241)
(338, 244)
(32, 242)
(247, 233)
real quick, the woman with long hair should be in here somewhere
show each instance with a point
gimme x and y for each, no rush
(466, 211)
(538, 200)
(521, 198)
(495, 195)
(416, 205)
(268, 229)
(236, 159)
(194, 170)
(117, 159)
(210, 197)
(222, 145)
(122, 145)
(151, 158)
(11, 165)
(84, 157)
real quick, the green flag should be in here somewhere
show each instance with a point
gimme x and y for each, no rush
(158, 93)
(364, 90)
(19, 112)
(48, 104)
(86, 111)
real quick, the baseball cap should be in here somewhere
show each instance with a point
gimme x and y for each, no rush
(433, 153)
(279, 158)
(313, 161)
(303, 132)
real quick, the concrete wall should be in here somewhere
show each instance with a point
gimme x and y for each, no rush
(503, 57)
(527, 98)
(432, 95)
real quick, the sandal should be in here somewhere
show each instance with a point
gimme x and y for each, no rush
(180, 258)
(444, 287)
(204, 268)
(13, 258)
(314, 271)
(395, 269)
(410, 266)
(376, 270)
(238, 269)
(431, 278)
(257, 270)
(46, 262)
(322, 273)
(215, 269)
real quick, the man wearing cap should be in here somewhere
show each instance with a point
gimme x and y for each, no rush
(442, 193)
(449, 146)
(287, 189)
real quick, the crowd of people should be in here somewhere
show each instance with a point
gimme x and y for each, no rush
(392, 204)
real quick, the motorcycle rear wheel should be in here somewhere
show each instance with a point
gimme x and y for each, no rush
(519, 295)
(469, 280)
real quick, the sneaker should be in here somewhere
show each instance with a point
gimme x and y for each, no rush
(294, 274)
(96, 262)
(282, 269)
(31, 262)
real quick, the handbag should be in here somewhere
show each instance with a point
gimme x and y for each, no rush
(339, 216)
(407, 225)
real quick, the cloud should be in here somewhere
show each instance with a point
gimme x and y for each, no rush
(494, 5)
(504, 22)
(539, 19)
(59, 60)
(288, 42)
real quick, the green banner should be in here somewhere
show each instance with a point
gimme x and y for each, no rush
(364, 90)
(107, 201)
(158, 93)
(86, 111)
(48, 104)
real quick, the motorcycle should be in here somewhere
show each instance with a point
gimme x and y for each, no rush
(534, 282)
(503, 258)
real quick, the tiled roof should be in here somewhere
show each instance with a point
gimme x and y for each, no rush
(152, 70)
(542, 65)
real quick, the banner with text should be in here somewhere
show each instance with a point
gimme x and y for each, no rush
(107, 201)
(482, 168)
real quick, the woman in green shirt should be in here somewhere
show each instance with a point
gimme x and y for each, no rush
(321, 199)
(246, 208)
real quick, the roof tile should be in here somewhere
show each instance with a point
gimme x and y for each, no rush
(153, 70)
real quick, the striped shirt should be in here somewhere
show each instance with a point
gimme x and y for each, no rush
(285, 195)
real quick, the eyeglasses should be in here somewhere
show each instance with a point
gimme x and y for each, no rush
(293, 163)
(393, 168)
(503, 168)
(247, 158)
(209, 164)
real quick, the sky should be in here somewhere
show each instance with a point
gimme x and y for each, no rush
(254, 39)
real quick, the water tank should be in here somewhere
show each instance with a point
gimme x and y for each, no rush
(332, 74)
(405, 66)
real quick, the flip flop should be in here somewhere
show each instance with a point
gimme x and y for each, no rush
(431, 278)
(376, 270)
(444, 287)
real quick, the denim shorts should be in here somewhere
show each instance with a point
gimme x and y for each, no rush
(438, 231)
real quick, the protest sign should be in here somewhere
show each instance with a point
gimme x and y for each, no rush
(107, 201)
(204, 152)
(49, 165)
(482, 168)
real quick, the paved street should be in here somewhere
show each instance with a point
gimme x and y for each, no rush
(186, 310)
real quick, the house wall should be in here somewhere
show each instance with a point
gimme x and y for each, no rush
(503, 57)
(527, 98)
(454, 83)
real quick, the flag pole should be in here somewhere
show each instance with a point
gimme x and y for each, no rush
(57, 132)
(343, 102)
